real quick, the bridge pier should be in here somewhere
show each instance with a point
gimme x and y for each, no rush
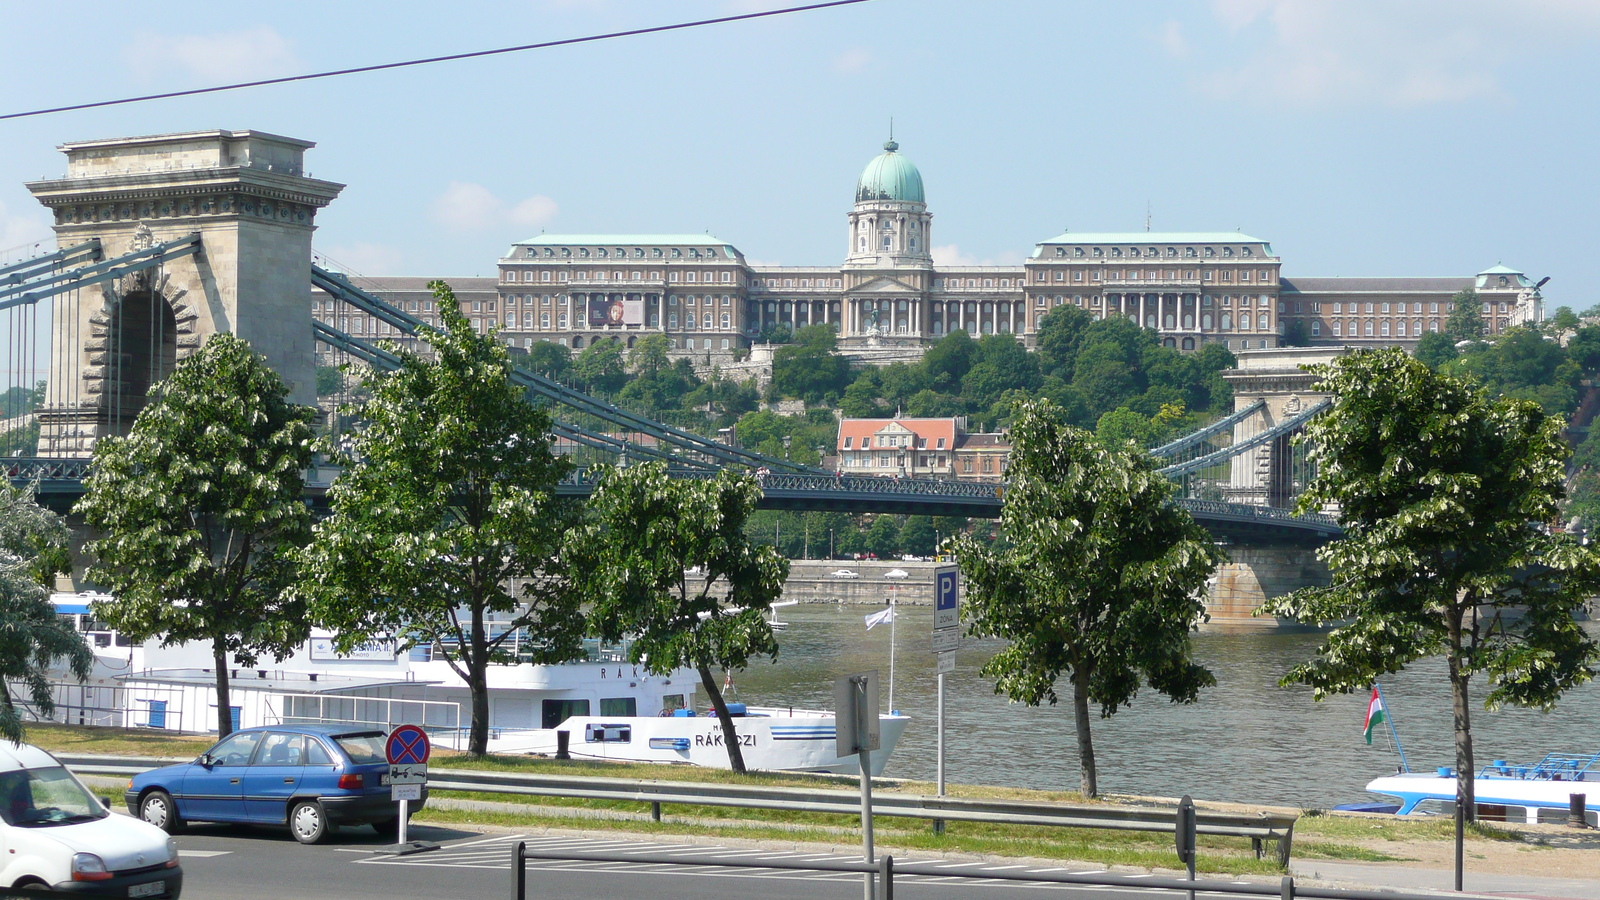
(1267, 475)
(1255, 573)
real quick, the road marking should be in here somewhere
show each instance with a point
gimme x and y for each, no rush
(1000, 868)
(202, 854)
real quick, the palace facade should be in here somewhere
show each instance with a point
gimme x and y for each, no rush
(888, 299)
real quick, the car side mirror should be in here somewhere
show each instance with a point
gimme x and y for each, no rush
(105, 802)
(206, 760)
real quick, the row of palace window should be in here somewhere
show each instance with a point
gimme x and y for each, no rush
(1152, 252)
(1226, 276)
(772, 283)
(691, 276)
(1365, 329)
(622, 253)
(951, 283)
(1095, 300)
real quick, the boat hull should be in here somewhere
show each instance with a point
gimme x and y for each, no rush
(773, 739)
(1523, 798)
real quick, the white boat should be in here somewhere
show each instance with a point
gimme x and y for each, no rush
(609, 708)
(1540, 792)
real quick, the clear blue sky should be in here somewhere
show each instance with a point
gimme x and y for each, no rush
(1362, 137)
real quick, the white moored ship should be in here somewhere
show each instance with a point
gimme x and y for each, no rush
(1540, 792)
(609, 708)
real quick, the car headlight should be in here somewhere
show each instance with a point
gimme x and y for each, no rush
(172, 853)
(88, 867)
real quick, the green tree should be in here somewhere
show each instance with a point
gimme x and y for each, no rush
(599, 367)
(1295, 334)
(916, 536)
(329, 380)
(809, 368)
(883, 537)
(18, 400)
(33, 639)
(1563, 320)
(649, 355)
(1441, 491)
(550, 359)
(948, 360)
(1465, 322)
(645, 530)
(1100, 579)
(446, 506)
(1059, 336)
(202, 509)
(1435, 348)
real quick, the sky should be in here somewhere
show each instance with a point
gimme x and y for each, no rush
(1360, 137)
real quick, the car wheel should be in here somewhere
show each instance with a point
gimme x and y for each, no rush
(31, 884)
(389, 828)
(158, 809)
(308, 823)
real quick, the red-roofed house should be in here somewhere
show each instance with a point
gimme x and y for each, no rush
(919, 448)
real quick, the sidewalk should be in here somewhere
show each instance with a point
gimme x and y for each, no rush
(1398, 876)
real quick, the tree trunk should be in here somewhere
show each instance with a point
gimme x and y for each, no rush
(1466, 791)
(478, 683)
(219, 657)
(1089, 783)
(730, 737)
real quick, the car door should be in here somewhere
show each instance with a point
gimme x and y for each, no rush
(272, 778)
(213, 788)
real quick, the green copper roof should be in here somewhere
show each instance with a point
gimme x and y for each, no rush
(890, 176)
(605, 240)
(1500, 269)
(1154, 237)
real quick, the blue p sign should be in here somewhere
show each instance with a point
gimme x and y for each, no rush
(946, 607)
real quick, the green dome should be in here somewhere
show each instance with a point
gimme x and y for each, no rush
(890, 176)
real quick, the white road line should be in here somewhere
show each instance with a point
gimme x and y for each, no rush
(1091, 872)
(1000, 868)
(202, 854)
(956, 865)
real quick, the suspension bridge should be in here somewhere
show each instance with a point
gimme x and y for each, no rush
(166, 240)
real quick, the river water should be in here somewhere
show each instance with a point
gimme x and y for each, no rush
(1246, 740)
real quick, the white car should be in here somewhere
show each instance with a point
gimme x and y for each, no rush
(59, 835)
(843, 573)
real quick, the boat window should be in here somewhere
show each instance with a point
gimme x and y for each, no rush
(619, 706)
(364, 748)
(555, 712)
(671, 702)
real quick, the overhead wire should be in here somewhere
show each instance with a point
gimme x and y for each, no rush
(378, 67)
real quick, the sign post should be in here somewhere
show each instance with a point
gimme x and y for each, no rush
(855, 717)
(1183, 837)
(407, 751)
(946, 638)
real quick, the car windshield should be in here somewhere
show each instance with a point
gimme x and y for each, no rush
(39, 798)
(364, 748)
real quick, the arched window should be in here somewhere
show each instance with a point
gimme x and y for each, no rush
(1369, 328)
(1205, 322)
(561, 322)
(672, 320)
(1384, 328)
(726, 321)
(1227, 321)
(577, 342)
(544, 321)
(886, 242)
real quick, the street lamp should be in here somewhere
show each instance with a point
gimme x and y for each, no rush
(786, 441)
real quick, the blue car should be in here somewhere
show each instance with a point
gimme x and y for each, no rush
(313, 778)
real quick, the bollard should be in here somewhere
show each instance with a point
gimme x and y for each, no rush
(1287, 888)
(886, 874)
(563, 740)
(1575, 807)
(519, 872)
(655, 810)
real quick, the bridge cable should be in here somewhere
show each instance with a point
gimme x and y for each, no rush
(287, 79)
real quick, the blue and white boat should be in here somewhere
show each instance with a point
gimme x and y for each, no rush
(1505, 792)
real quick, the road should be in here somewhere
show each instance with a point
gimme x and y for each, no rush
(246, 863)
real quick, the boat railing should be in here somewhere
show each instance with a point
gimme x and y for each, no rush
(1554, 767)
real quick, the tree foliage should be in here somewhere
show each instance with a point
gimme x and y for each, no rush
(1100, 580)
(645, 530)
(1442, 491)
(809, 368)
(201, 510)
(33, 639)
(446, 512)
(1465, 322)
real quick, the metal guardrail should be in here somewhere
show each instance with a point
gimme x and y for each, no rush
(885, 869)
(1277, 828)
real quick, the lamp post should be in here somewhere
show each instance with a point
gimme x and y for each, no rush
(786, 441)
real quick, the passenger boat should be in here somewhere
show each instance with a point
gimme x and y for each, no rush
(1540, 792)
(609, 708)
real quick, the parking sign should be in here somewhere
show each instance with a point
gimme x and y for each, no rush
(947, 602)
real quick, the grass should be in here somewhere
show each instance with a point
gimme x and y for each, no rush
(1320, 836)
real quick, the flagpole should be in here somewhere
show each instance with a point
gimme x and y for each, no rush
(1388, 716)
(892, 617)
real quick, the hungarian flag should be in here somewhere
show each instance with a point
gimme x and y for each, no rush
(1375, 713)
(880, 618)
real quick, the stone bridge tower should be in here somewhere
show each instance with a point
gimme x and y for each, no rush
(1258, 570)
(246, 194)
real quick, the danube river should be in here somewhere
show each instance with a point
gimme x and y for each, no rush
(1246, 740)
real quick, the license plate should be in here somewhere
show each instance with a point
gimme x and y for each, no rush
(148, 889)
(383, 780)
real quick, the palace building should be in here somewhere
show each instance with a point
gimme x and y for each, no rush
(888, 299)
